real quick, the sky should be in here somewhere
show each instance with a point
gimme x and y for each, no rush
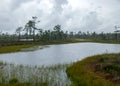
(72, 15)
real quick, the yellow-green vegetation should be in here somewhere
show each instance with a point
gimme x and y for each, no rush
(99, 70)
(15, 48)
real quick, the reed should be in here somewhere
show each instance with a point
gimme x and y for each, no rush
(34, 76)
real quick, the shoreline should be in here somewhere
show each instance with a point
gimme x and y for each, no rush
(17, 48)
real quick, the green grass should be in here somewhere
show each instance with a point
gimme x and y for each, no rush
(15, 48)
(99, 70)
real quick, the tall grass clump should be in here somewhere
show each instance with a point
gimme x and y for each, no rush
(12, 74)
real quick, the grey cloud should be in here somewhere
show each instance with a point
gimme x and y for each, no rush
(101, 15)
(58, 5)
(91, 22)
(56, 14)
(83, 21)
(17, 3)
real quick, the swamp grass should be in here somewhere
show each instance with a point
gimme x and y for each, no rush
(98, 70)
(19, 75)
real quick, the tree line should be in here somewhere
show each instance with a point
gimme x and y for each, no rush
(58, 34)
(97, 36)
(30, 33)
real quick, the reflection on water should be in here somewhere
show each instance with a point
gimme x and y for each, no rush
(59, 54)
(34, 48)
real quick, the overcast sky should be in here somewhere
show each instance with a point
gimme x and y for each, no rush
(72, 15)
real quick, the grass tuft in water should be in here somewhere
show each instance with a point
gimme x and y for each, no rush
(34, 76)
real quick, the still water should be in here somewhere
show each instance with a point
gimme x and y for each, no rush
(59, 54)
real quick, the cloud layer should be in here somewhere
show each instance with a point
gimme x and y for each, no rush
(73, 15)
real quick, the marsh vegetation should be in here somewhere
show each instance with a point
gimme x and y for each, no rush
(86, 72)
(34, 75)
(99, 70)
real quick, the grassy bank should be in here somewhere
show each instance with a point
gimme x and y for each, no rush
(106, 41)
(99, 70)
(14, 48)
(99, 41)
(11, 47)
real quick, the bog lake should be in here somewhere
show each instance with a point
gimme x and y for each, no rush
(58, 54)
(48, 63)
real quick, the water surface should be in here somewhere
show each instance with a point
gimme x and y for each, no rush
(59, 54)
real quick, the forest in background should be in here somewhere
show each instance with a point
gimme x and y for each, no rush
(30, 33)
